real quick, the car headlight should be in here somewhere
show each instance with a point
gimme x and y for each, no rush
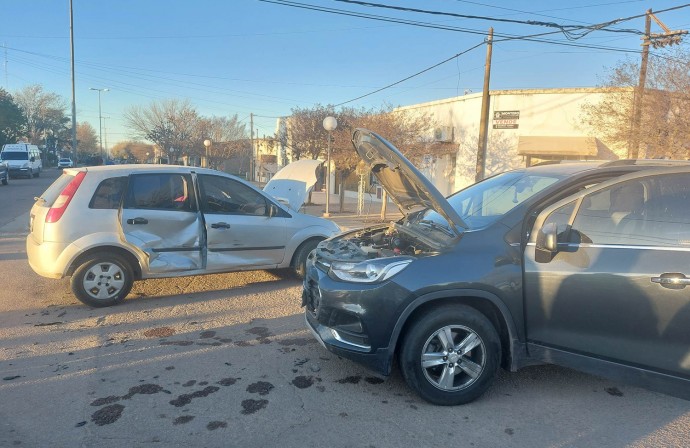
(369, 271)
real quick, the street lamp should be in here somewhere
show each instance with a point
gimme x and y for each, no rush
(329, 124)
(207, 144)
(100, 127)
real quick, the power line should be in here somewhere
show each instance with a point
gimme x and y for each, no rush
(567, 30)
(411, 76)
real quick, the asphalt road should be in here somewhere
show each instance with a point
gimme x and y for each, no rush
(225, 360)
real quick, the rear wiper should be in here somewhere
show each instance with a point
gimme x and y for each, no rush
(436, 226)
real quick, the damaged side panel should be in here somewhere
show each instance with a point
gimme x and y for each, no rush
(160, 219)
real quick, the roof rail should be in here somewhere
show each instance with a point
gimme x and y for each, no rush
(648, 162)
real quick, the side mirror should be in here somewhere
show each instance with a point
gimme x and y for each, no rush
(33, 159)
(547, 243)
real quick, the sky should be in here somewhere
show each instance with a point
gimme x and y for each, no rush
(237, 57)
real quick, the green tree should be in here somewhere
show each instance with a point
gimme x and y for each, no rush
(12, 123)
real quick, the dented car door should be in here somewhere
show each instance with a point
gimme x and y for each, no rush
(160, 217)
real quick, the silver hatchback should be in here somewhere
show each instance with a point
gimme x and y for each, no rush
(107, 226)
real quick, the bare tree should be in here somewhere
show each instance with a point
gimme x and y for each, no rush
(306, 137)
(228, 136)
(170, 124)
(664, 129)
(44, 112)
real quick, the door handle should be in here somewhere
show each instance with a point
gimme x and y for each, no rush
(137, 221)
(672, 280)
(220, 225)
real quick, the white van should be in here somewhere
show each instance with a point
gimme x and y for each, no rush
(23, 159)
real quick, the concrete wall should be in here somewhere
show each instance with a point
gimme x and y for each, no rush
(549, 112)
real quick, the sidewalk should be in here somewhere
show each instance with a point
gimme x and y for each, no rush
(348, 218)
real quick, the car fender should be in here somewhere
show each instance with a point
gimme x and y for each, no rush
(313, 231)
(515, 347)
(94, 241)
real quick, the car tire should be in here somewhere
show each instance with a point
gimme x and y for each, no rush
(30, 174)
(102, 280)
(437, 370)
(299, 263)
(37, 173)
(6, 179)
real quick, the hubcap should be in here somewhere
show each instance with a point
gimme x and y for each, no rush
(453, 358)
(104, 280)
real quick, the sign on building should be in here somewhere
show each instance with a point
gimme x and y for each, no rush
(506, 119)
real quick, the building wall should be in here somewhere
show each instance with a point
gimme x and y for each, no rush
(548, 112)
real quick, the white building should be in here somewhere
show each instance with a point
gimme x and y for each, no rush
(525, 127)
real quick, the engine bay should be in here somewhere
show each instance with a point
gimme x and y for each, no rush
(374, 242)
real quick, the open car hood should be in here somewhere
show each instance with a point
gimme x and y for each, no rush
(292, 183)
(407, 187)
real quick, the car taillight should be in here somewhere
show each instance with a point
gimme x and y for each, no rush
(60, 205)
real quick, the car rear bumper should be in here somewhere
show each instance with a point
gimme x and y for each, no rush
(44, 258)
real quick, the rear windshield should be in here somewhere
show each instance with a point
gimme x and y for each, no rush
(52, 193)
(14, 155)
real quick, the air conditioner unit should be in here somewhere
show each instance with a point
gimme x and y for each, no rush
(443, 134)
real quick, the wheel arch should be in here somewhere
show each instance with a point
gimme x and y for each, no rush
(317, 238)
(128, 256)
(486, 303)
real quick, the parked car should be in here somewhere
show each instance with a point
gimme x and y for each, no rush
(107, 226)
(4, 173)
(65, 163)
(579, 264)
(22, 159)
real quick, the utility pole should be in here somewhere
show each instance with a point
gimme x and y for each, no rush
(634, 148)
(484, 119)
(105, 138)
(656, 40)
(74, 101)
(251, 140)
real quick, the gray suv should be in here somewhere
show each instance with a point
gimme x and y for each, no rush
(585, 265)
(107, 226)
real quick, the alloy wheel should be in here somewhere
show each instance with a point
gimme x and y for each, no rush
(453, 358)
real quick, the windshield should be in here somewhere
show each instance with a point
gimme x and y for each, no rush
(483, 203)
(14, 155)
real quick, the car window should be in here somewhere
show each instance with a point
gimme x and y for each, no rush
(15, 155)
(108, 193)
(224, 195)
(650, 211)
(483, 203)
(165, 191)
